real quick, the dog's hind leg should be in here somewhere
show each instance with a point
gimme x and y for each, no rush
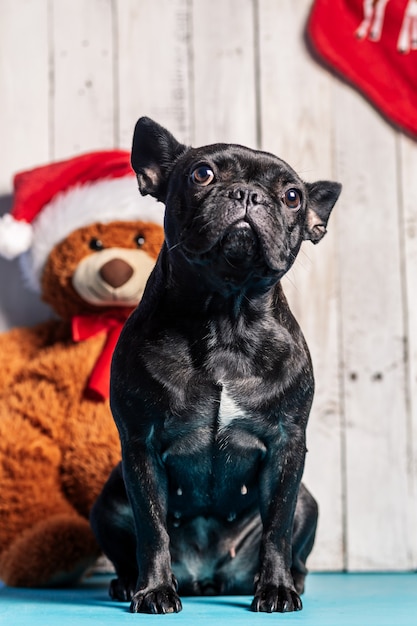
(113, 525)
(304, 532)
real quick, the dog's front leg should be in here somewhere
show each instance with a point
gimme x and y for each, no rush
(279, 484)
(146, 484)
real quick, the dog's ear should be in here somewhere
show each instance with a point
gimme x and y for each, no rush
(322, 197)
(154, 151)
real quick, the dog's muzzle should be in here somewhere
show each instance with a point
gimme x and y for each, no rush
(239, 244)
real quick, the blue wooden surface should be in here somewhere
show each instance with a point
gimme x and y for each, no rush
(330, 600)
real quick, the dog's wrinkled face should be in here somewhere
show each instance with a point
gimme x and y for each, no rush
(236, 211)
(238, 215)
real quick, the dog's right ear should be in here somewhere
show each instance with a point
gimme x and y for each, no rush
(154, 151)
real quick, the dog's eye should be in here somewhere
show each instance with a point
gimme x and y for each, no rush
(96, 245)
(202, 175)
(292, 199)
(140, 240)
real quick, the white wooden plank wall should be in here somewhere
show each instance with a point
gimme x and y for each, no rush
(82, 76)
(76, 74)
(374, 374)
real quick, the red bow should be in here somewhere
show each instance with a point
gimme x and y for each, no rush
(86, 326)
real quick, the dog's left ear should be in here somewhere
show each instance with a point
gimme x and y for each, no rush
(322, 197)
(154, 151)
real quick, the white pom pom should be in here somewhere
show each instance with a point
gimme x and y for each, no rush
(15, 237)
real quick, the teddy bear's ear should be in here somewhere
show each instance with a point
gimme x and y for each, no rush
(154, 151)
(322, 197)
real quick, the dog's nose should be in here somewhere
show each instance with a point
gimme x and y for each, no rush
(246, 195)
(116, 272)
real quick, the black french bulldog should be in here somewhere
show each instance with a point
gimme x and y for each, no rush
(212, 386)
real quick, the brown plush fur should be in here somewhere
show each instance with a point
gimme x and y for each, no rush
(57, 446)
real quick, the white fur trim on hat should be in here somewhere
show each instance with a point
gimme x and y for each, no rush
(108, 200)
(15, 236)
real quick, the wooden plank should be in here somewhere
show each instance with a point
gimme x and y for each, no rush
(24, 90)
(378, 516)
(296, 116)
(408, 162)
(24, 130)
(223, 71)
(153, 66)
(83, 76)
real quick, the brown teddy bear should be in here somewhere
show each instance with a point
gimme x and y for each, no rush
(87, 242)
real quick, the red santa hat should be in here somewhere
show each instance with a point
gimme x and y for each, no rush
(53, 200)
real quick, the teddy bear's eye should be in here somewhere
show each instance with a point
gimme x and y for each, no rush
(96, 244)
(140, 240)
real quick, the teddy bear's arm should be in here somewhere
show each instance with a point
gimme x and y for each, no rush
(19, 346)
(43, 540)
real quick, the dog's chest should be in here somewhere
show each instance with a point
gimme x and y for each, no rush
(231, 366)
(229, 409)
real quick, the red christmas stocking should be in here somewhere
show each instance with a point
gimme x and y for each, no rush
(373, 45)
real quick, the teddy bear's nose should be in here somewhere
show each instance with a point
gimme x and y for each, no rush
(116, 272)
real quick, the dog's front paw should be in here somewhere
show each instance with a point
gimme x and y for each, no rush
(272, 598)
(163, 599)
(121, 589)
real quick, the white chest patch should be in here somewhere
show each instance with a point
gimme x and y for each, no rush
(229, 409)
